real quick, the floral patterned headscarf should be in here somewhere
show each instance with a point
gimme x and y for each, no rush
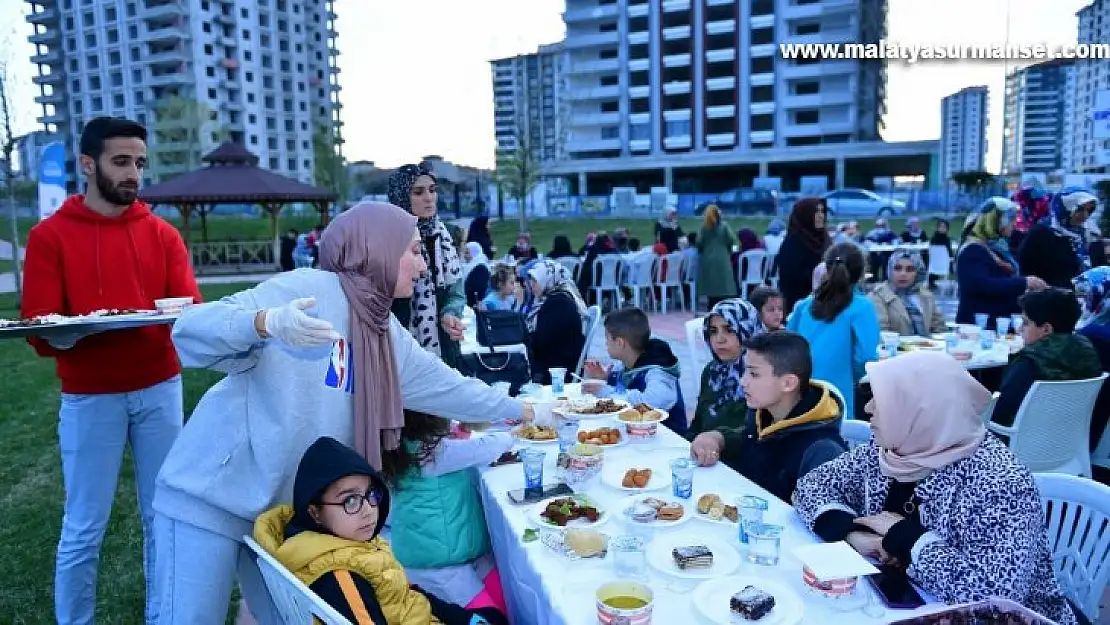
(724, 377)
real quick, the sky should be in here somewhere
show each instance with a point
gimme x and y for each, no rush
(416, 75)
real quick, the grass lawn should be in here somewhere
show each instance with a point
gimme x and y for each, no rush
(31, 492)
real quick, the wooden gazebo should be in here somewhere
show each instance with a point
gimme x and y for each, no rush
(233, 177)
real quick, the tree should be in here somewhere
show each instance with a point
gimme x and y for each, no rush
(7, 148)
(331, 170)
(973, 181)
(519, 172)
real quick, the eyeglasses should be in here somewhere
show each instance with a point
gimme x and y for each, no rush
(352, 504)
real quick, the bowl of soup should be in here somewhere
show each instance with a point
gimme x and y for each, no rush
(624, 602)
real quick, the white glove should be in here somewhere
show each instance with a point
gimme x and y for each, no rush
(290, 325)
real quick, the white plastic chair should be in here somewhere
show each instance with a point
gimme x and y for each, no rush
(690, 279)
(1077, 511)
(295, 602)
(751, 270)
(695, 339)
(940, 260)
(1052, 429)
(589, 328)
(607, 277)
(1100, 457)
(572, 264)
(771, 270)
(671, 281)
(641, 272)
(989, 410)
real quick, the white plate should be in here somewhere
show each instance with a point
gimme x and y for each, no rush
(613, 474)
(519, 438)
(728, 498)
(687, 508)
(623, 440)
(580, 416)
(539, 521)
(711, 600)
(725, 558)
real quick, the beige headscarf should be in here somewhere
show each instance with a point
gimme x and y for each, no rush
(364, 246)
(927, 413)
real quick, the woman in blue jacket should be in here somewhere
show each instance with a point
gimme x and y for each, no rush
(988, 274)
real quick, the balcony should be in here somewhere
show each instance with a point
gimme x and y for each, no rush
(171, 56)
(166, 9)
(576, 41)
(677, 60)
(720, 111)
(825, 98)
(762, 50)
(823, 68)
(167, 33)
(761, 108)
(639, 38)
(49, 79)
(173, 78)
(50, 57)
(677, 142)
(58, 97)
(595, 65)
(639, 10)
(595, 118)
(719, 3)
(721, 84)
(676, 87)
(676, 5)
(638, 119)
(50, 35)
(591, 14)
(57, 118)
(640, 145)
(225, 19)
(823, 8)
(639, 65)
(762, 79)
(763, 137)
(595, 93)
(591, 143)
(721, 139)
(720, 54)
(45, 17)
(641, 91)
(838, 35)
(761, 21)
(720, 27)
(676, 32)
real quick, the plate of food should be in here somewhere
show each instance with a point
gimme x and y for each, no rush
(590, 407)
(605, 437)
(576, 510)
(692, 557)
(747, 599)
(716, 508)
(914, 343)
(533, 433)
(641, 414)
(637, 476)
(98, 321)
(656, 511)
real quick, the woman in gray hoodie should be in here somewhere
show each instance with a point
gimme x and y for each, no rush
(308, 353)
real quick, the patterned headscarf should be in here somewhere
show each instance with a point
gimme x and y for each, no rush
(444, 269)
(1094, 285)
(986, 225)
(909, 296)
(724, 377)
(1064, 205)
(554, 278)
(1033, 207)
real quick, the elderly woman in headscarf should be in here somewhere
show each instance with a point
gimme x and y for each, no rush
(914, 233)
(1056, 249)
(1094, 285)
(989, 276)
(307, 353)
(721, 401)
(554, 320)
(803, 249)
(476, 273)
(935, 498)
(667, 230)
(902, 302)
(433, 311)
(523, 250)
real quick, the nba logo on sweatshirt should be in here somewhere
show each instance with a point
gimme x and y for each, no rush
(339, 367)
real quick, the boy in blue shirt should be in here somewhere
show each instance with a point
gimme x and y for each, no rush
(651, 372)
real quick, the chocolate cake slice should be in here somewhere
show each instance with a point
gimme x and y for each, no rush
(692, 557)
(751, 603)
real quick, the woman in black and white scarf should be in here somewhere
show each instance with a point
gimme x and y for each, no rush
(554, 319)
(433, 313)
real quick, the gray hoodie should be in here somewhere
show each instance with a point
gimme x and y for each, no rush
(238, 454)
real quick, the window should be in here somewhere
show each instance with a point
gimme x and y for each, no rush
(117, 79)
(114, 57)
(97, 104)
(639, 132)
(139, 97)
(134, 55)
(137, 75)
(87, 19)
(94, 83)
(90, 40)
(678, 128)
(117, 100)
(113, 35)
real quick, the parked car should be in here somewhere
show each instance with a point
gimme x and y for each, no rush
(743, 201)
(862, 202)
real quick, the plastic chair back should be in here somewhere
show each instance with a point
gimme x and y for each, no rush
(295, 602)
(590, 326)
(751, 271)
(695, 339)
(1077, 515)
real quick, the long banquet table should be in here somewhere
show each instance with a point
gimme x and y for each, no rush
(543, 587)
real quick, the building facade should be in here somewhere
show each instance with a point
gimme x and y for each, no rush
(195, 72)
(1037, 117)
(653, 78)
(963, 132)
(28, 149)
(529, 104)
(1091, 76)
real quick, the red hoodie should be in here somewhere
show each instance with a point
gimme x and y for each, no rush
(79, 261)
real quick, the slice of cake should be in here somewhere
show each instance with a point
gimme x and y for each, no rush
(751, 603)
(692, 557)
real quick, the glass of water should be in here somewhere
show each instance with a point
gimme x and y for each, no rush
(532, 461)
(986, 339)
(763, 544)
(567, 431)
(981, 320)
(682, 477)
(749, 509)
(1016, 321)
(629, 556)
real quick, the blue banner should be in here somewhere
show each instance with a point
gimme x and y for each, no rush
(52, 178)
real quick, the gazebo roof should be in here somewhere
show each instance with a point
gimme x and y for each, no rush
(233, 177)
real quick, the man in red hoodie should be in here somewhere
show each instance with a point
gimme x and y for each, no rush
(106, 250)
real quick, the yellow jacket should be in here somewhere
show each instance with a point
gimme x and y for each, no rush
(311, 555)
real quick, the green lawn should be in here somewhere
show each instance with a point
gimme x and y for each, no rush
(31, 493)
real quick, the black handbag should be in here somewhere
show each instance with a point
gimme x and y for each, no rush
(491, 367)
(500, 327)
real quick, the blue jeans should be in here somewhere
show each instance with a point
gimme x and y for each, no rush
(93, 431)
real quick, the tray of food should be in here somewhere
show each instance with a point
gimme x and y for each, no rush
(747, 599)
(590, 407)
(996, 611)
(657, 511)
(96, 321)
(606, 437)
(568, 511)
(533, 433)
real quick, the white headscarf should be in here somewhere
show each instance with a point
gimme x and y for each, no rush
(554, 278)
(477, 257)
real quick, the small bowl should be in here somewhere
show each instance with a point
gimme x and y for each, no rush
(584, 462)
(963, 355)
(641, 430)
(172, 305)
(829, 588)
(634, 616)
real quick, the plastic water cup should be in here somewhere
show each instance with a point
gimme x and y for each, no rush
(682, 477)
(951, 342)
(1016, 321)
(629, 556)
(764, 542)
(890, 343)
(568, 433)
(558, 379)
(749, 509)
(986, 339)
(532, 461)
(1003, 324)
(981, 320)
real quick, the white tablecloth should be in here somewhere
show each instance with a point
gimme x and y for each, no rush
(545, 588)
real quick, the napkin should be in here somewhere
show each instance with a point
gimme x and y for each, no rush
(830, 561)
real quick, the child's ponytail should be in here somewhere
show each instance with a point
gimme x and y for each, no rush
(844, 264)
